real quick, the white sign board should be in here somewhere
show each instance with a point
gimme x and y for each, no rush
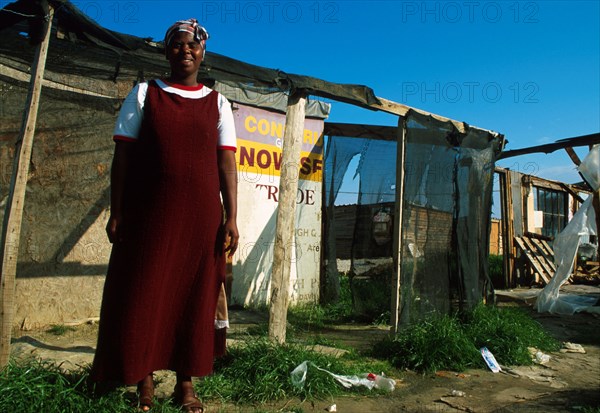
(260, 137)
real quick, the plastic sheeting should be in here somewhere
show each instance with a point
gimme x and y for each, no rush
(445, 229)
(101, 53)
(446, 211)
(566, 245)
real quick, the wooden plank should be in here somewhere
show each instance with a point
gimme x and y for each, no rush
(572, 192)
(590, 268)
(506, 209)
(397, 275)
(538, 255)
(510, 231)
(538, 236)
(401, 110)
(23, 77)
(352, 130)
(11, 229)
(577, 162)
(530, 270)
(286, 216)
(531, 258)
(577, 141)
(495, 237)
(548, 253)
(573, 155)
(572, 189)
(544, 252)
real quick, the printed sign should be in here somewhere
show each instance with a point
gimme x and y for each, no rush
(259, 156)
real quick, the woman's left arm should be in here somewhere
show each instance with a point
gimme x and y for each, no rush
(228, 179)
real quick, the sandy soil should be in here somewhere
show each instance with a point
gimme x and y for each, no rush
(568, 382)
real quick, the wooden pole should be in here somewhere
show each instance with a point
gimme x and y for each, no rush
(286, 216)
(400, 156)
(507, 227)
(11, 228)
(573, 155)
(596, 205)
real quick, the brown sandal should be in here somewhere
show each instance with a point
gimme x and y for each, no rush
(145, 394)
(187, 399)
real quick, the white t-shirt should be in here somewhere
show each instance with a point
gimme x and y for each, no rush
(130, 117)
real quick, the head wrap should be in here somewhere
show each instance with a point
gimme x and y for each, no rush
(190, 26)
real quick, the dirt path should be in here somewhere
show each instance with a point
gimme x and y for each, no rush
(568, 382)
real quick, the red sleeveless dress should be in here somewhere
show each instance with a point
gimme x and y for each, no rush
(164, 278)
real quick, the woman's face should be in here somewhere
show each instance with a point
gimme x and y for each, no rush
(184, 55)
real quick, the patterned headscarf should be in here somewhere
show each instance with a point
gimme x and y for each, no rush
(190, 26)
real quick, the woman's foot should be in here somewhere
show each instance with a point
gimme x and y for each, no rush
(185, 396)
(145, 389)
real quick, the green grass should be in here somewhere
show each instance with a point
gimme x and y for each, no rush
(38, 387)
(437, 343)
(259, 371)
(372, 296)
(507, 332)
(260, 330)
(320, 340)
(370, 303)
(311, 316)
(34, 386)
(304, 317)
(308, 316)
(496, 270)
(453, 343)
(255, 372)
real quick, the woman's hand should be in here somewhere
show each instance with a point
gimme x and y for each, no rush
(114, 228)
(228, 180)
(232, 237)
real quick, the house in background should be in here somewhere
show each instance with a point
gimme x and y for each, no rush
(534, 212)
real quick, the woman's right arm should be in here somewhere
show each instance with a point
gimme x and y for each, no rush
(120, 163)
(125, 133)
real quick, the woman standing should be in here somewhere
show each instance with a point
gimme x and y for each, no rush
(174, 159)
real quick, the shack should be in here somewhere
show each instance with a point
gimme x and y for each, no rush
(63, 251)
(427, 167)
(535, 210)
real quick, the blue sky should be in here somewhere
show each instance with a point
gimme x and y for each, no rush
(527, 69)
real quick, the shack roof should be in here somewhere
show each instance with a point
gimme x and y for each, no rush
(118, 49)
(88, 52)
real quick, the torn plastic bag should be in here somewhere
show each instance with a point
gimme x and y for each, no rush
(298, 377)
(566, 244)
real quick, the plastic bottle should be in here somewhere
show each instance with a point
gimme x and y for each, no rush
(382, 382)
(490, 360)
